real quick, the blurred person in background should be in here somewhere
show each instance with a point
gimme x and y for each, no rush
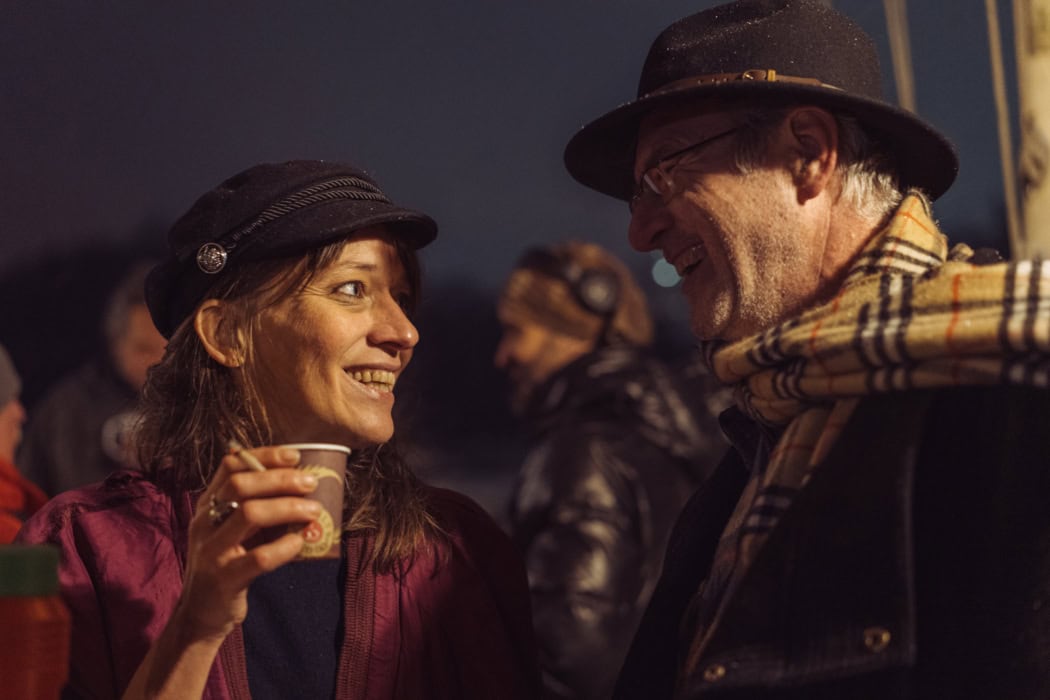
(78, 431)
(19, 497)
(619, 442)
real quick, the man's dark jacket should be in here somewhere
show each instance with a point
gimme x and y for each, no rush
(914, 564)
(621, 442)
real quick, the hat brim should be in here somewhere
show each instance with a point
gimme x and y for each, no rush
(601, 154)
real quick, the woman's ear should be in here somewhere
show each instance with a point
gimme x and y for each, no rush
(221, 335)
(815, 136)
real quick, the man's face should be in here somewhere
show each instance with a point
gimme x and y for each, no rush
(12, 417)
(139, 348)
(530, 352)
(738, 241)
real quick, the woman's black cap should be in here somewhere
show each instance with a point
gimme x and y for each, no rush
(273, 210)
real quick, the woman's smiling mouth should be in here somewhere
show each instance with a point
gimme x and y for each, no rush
(378, 379)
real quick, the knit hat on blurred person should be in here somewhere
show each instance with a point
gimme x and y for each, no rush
(579, 289)
(10, 383)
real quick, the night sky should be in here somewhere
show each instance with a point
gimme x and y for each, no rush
(116, 116)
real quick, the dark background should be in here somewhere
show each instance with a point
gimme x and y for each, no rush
(114, 117)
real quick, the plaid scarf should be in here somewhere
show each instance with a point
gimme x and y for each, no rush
(909, 315)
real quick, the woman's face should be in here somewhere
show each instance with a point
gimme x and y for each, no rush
(325, 359)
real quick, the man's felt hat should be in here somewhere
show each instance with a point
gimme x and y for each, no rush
(775, 51)
(273, 210)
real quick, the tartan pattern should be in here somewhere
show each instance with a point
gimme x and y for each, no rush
(910, 314)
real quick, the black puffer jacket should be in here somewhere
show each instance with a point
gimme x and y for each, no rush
(621, 442)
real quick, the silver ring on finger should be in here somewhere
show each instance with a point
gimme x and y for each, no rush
(219, 511)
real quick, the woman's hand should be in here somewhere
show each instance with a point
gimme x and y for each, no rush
(220, 566)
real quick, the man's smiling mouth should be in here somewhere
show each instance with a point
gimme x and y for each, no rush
(686, 260)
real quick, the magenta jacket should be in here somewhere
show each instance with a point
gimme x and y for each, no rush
(460, 629)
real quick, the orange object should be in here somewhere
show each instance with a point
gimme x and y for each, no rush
(34, 623)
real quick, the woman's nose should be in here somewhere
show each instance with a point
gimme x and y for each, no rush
(393, 327)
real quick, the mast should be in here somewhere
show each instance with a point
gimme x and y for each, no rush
(1014, 218)
(1032, 39)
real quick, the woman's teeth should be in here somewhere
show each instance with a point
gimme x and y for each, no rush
(380, 379)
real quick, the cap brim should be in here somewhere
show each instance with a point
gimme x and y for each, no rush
(601, 154)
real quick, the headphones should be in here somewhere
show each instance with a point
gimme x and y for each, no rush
(596, 289)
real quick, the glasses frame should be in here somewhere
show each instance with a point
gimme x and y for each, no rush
(656, 179)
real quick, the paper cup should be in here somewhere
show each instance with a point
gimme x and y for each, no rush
(323, 536)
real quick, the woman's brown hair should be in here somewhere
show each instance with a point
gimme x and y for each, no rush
(192, 406)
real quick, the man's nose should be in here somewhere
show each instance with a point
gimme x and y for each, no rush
(649, 218)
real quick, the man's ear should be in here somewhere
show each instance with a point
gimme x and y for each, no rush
(221, 335)
(814, 136)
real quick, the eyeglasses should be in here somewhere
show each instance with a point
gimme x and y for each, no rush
(657, 179)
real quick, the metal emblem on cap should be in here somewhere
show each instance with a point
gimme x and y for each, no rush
(211, 258)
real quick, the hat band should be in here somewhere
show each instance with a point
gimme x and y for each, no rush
(759, 75)
(213, 255)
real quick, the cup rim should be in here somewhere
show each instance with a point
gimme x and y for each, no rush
(317, 446)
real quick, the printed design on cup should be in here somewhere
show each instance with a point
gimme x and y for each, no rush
(319, 534)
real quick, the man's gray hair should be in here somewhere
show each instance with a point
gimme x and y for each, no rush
(869, 177)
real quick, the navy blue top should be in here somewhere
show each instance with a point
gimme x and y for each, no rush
(293, 631)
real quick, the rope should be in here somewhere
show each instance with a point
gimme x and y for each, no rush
(900, 50)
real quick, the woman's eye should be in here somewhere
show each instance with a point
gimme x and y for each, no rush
(352, 289)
